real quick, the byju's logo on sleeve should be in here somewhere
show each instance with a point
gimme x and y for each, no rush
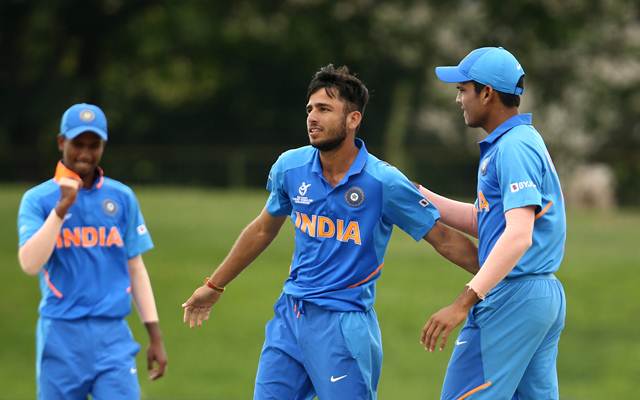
(517, 186)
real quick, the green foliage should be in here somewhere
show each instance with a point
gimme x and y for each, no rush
(194, 228)
(234, 73)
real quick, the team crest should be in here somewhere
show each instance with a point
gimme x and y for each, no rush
(483, 166)
(354, 196)
(87, 115)
(109, 206)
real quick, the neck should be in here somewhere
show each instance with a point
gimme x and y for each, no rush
(89, 179)
(336, 163)
(498, 117)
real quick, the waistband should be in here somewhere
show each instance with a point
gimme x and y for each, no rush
(84, 318)
(530, 277)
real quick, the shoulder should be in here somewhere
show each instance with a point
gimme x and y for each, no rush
(520, 135)
(521, 139)
(116, 186)
(382, 171)
(118, 190)
(40, 191)
(523, 146)
(294, 158)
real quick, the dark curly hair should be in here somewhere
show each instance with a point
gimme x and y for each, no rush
(348, 87)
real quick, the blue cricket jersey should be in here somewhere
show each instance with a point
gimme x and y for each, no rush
(516, 171)
(87, 275)
(342, 232)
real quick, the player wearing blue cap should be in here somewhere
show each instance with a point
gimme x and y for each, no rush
(515, 306)
(84, 235)
(324, 339)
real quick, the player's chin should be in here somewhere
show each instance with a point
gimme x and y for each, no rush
(315, 140)
(83, 168)
(469, 122)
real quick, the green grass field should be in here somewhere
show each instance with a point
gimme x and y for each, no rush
(193, 228)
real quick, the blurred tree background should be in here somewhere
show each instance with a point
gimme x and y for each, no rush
(210, 92)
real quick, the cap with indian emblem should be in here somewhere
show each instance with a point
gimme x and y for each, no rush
(83, 117)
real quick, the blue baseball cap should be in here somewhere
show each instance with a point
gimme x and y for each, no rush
(492, 66)
(80, 118)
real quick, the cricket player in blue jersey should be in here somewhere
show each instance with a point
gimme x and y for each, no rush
(324, 339)
(84, 235)
(514, 306)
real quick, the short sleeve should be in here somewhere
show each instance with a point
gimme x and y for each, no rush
(520, 170)
(278, 202)
(137, 238)
(406, 207)
(31, 217)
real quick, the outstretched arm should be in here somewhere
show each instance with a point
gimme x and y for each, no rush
(454, 246)
(253, 240)
(459, 215)
(146, 305)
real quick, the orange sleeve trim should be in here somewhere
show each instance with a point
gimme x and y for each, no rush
(53, 289)
(544, 210)
(475, 390)
(368, 278)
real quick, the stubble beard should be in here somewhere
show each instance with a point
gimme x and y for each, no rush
(334, 142)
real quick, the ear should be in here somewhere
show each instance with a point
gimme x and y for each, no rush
(61, 139)
(487, 94)
(353, 120)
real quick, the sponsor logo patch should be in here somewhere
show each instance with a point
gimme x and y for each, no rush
(141, 229)
(335, 379)
(517, 186)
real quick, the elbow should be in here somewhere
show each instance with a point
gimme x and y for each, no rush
(524, 243)
(29, 267)
(30, 270)
(264, 235)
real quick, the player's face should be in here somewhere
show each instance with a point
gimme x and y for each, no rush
(473, 108)
(82, 154)
(326, 120)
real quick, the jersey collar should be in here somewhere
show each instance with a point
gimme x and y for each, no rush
(63, 172)
(519, 119)
(355, 168)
